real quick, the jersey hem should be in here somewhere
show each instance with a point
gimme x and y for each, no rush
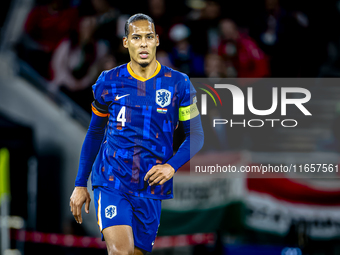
(139, 194)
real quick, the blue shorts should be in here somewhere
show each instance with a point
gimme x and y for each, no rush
(114, 207)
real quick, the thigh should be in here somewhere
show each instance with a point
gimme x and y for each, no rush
(112, 208)
(119, 239)
(145, 222)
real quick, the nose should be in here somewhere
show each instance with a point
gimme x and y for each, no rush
(143, 43)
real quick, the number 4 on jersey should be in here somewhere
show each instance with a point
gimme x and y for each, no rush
(121, 116)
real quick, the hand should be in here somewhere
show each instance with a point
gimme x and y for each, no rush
(79, 196)
(159, 174)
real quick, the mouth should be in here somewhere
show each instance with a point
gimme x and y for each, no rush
(143, 54)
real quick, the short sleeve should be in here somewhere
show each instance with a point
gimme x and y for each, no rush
(99, 107)
(188, 108)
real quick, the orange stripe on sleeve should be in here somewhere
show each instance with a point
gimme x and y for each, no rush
(96, 112)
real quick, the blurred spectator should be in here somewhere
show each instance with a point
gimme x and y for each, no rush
(182, 56)
(243, 58)
(331, 67)
(163, 22)
(204, 27)
(45, 27)
(284, 36)
(106, 22)
(214, 66)
(121, 54)
(269, 35)
(163, 58)
(108, 62)
(78, 61)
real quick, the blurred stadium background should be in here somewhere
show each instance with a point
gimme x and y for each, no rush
(52, 51)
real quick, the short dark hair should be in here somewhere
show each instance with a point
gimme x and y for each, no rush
(136, 17)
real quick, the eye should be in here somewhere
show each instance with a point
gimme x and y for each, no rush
(150, 36)
(135, 37)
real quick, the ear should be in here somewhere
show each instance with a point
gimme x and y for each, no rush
(157, 40)
(125, 42)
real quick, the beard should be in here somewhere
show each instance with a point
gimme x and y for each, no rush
(144, 64)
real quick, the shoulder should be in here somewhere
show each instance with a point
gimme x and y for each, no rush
(107, 75)
(176, 75)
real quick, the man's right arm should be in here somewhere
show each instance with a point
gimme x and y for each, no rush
(91, 146)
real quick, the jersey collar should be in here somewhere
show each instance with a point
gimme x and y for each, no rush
(141, 78)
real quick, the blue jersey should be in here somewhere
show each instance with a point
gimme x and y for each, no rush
(142, 116)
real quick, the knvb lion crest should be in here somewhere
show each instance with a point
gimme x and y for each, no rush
(163, 97)
(110, 211)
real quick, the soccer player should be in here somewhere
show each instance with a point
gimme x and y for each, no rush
(128, 145)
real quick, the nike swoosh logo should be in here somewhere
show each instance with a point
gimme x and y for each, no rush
(119, 97)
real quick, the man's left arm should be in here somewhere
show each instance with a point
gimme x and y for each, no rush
(194, 139)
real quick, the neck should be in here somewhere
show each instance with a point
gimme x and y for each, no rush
(144, 72)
